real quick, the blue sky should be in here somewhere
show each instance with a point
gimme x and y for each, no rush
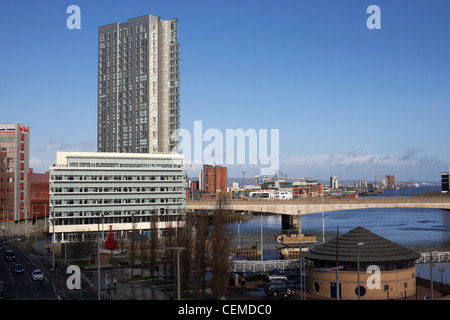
(347, 100)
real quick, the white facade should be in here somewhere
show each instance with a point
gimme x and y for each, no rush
(334, 183)
(92, 191)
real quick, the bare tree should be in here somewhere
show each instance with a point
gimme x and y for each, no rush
(186, 237)
(132, 250)
(200, 248)
(142, 251)
(220, 245)
(153, 243)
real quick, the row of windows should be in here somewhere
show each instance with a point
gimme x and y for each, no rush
(114, 220)
(120, 201)
(144, 177)
(114, 189)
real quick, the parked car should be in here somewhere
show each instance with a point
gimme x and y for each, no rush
(37, 275)
(5, 241)
(18, 268)
(9, 255)
(1, 246)
(276, 288)
(19, 238)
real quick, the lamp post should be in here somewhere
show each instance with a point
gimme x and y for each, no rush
(431, 276)
(357, 265)
(99, 257)
(262, 258)
(441, 271)
(178, 269)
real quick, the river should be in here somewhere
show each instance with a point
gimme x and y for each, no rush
(422, 230)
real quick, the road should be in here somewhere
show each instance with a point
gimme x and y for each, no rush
(20, 286)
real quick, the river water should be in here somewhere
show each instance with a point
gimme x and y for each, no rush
(420, 229)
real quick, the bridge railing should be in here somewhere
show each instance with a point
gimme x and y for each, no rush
(428, 199)
(252, 266)
(436, 257)
(249, 266)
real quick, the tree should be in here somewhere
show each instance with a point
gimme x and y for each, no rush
(201, 225)
(186, 238)
(153, 242)
(220, 245)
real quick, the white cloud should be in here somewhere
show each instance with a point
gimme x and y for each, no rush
(357, 164)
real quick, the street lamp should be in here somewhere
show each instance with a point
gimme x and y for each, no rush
(178, 269)
(99, 257)
(357, 266)
(441, 271)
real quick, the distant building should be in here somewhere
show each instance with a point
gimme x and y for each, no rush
(308, 190)
(213, 178)
(445, 181)
(334, 183)
(14, 167)
(362, 185)
(391, 181)
(128, 191)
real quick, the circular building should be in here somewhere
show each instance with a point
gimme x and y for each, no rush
(386, 270)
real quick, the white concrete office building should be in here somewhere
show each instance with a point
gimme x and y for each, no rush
(92, 191)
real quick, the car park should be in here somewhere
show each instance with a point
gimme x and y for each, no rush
(276, 288)
(37, 275)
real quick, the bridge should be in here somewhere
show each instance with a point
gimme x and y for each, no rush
(307, 206)
(252, 266)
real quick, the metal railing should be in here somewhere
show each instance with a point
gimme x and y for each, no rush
(436, 257)
(253, 266)
(249, 266)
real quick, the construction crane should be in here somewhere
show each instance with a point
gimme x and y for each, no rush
(282, 176)
(256, 178)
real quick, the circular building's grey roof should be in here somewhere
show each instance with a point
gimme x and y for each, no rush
(375, 249)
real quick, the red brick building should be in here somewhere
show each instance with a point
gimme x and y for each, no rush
(307, 191)
(39, 194)
(213, 178)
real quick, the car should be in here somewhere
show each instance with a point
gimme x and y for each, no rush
(5, 241)
(276, 288)
(1, 246)
(19, 238)
(9, 255)
(37, 275)
(18, 268)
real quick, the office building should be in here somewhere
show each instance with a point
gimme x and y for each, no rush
(138, 86)
(213, 178)
(14, 166)
(92, 191)
(334, 183)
